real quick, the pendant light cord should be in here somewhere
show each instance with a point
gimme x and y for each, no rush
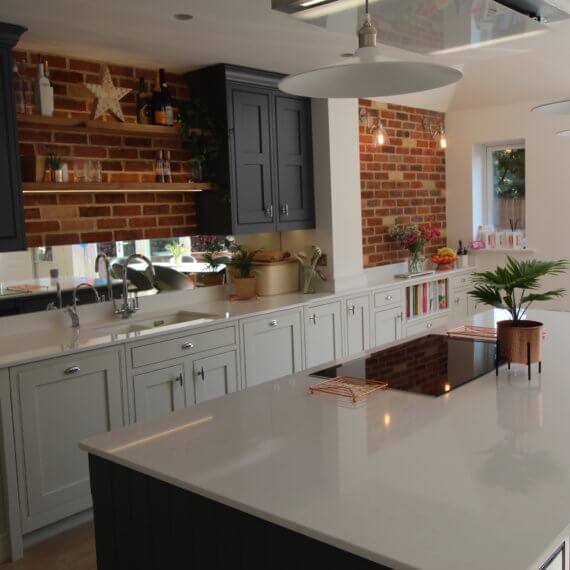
(366, 6)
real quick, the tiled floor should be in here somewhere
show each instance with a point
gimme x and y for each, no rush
(72, 550)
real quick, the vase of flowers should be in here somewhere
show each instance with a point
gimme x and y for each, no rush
(310, 269)
(413, 237)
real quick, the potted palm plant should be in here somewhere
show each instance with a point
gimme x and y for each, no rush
(514, 288)
(212, 256)
(244, 279)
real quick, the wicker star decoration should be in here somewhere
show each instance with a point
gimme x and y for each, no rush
(107, 96)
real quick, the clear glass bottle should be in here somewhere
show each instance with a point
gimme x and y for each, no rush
(159, 167)
(167, 169)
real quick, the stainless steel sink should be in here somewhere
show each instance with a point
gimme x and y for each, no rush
(140, 325)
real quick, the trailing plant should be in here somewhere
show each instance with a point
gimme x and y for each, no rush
(201, 131)
(513, 287)
(242, 260)
(53, 161)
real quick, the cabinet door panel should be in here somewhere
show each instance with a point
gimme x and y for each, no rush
(294, 163)
(252, 156)
(388, 325)
(272, 347)
(323, 333)
(11, 213)
(159, 392)
(459, 306)
(60, 403)
(357, 324)
(215, 376)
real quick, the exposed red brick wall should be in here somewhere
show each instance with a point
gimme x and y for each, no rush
(68, 218)
(55, 219)
(402, 181)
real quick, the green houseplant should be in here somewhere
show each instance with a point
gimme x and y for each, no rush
(244, 278)
(514, 288)
(212, 250)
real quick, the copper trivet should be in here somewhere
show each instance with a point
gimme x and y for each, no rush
(347, 387)
(477, 333)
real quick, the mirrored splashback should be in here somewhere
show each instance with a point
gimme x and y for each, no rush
(45, 277)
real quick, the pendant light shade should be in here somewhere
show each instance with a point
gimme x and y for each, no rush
(369, 74)
(370, 79)
(557, 108)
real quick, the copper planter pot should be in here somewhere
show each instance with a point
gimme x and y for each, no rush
(520, 342)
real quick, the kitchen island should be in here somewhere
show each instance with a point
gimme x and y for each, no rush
(271, 477)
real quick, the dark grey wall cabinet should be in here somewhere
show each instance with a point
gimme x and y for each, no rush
(11, 202)
(264, 168)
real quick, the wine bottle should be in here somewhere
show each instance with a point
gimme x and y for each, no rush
(166, 99)
(143, 100)
(44, 93)
(167, 169)
(159, 167)
(19, 90)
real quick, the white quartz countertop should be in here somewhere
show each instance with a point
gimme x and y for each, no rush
(42, 342)
(478, 479)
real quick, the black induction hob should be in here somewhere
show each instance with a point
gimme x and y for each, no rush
(432, 365)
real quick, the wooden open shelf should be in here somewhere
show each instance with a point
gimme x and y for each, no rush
(81, 125)
(79, 187)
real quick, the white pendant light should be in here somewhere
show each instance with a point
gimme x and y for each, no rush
(556, 108)
(369, 74)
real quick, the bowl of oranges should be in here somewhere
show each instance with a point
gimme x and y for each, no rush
(445, 258)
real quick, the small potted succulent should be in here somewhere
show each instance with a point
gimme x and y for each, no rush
(413, 237)
(514, 288)
(244, 278)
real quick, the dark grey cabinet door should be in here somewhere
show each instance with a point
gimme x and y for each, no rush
(294, 178)
(11, 202)
(252, 183)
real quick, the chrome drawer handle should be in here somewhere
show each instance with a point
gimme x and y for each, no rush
(273, 323)
(187, 345)
(313, 318)
(269, 211)
(388, 297)
(72, 370)
(429, 325)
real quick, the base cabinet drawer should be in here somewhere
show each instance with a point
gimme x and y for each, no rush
(387, 297)
(426, 325)
(272, 346)
(188, 344)
(57, 403)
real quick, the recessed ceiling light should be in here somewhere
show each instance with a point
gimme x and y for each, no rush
(182, 17)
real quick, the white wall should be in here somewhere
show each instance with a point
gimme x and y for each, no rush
(337, 193)
(16, 266)
(547, 176)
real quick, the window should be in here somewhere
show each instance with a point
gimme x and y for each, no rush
(505, 196)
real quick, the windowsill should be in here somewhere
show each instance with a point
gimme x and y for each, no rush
(502, 250)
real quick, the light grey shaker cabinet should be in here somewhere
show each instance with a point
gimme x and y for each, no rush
(215, 376)
(271, 346)
(387, 325)
(159, 392)
(323, 333)
(357, 314)
(57, 403)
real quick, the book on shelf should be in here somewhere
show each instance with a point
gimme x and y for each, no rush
(426, 298)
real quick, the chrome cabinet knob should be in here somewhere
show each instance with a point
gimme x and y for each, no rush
(429, 325)
(200, 373)
(389, 297)
(273, 323)
(187, 346)
(72, 370)
(179, 379)
(352, 310)
(284, 210)
(269, 211)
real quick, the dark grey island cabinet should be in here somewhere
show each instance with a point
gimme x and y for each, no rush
(263, 167)
(12, 235)
(143, 523)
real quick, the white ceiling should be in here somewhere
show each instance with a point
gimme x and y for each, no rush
(248, 32)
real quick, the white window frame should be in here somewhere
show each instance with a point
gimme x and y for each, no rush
(488, 193)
